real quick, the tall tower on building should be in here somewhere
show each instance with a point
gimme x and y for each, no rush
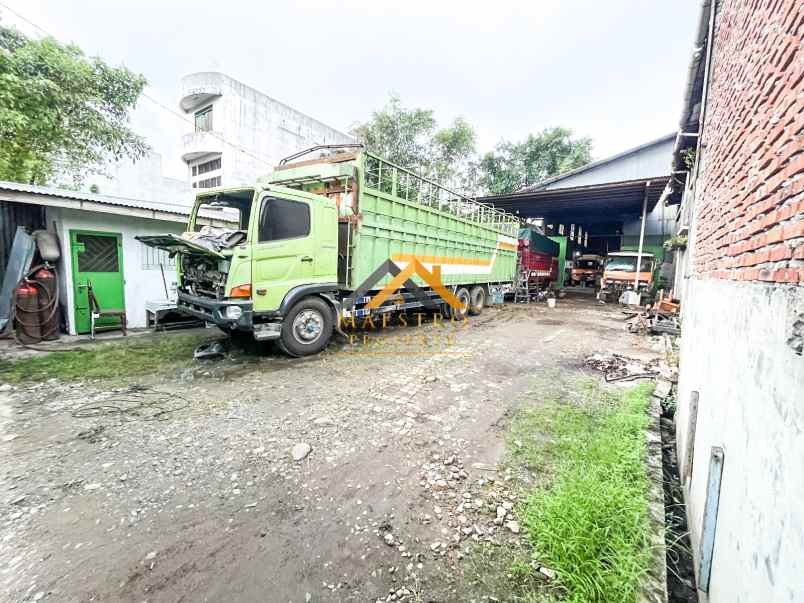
(239, 133)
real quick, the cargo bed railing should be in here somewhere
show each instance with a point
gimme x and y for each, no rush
(392, 179)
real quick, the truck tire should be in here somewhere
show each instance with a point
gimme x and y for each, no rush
(307, 327)
(477, 297)
(466, 300)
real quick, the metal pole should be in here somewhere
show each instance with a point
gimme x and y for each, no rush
(641, 236)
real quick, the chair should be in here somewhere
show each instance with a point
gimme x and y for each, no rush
(96, 312)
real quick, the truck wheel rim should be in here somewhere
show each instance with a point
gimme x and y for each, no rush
(308, 326)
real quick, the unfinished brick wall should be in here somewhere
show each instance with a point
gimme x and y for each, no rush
(750, 195)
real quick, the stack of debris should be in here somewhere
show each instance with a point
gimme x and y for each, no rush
(661, 317)
(617, 367)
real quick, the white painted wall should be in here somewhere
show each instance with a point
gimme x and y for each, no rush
(263, 126)
(734, 352)
(140, 284)
(142, 179)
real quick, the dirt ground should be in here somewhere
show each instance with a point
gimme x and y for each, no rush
(192, 493)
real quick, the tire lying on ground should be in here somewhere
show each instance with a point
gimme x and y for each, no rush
(477, 300)
(307, 328)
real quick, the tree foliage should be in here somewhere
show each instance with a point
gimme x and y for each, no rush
(411, 139)
(62, 113)
(515, 165)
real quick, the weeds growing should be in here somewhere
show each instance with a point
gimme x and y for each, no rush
(590, 522)
(136, 357)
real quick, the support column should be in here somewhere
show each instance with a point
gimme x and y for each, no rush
(641, 235)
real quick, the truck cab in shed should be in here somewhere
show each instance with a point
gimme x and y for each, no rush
(620, 274)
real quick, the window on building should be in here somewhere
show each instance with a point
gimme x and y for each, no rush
(208, 183)
(208, 166)
(203, 120)
(153, 258)
(283, 219)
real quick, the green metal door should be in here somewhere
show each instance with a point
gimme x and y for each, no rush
(98, 263)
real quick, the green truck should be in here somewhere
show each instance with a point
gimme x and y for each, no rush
(333, 234)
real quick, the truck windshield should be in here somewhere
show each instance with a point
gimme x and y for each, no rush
(628, 264)
(230, 211)
(587, 264)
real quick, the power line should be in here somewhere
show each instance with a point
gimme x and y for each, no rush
(150, 98)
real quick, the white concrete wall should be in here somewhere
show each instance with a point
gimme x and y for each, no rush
(263, 126)
(140, 284)
(142, 179)
(734, 352)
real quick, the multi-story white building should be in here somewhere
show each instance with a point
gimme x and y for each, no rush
(240, 133)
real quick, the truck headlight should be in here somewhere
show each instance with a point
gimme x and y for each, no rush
(233, 312)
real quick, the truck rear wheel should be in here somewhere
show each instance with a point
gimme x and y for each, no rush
(466, 300)
(307, 328)
(477, 297)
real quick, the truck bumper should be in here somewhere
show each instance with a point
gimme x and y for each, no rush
(214, 311)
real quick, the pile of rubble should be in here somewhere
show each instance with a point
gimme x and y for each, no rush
(658, 318)
(465, 511)
(479, 509)
(616, 367)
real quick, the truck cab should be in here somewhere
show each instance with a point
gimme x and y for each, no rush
(620, 273)
(249, 254)
(586, 270)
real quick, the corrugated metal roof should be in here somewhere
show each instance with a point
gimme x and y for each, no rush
(596, 164)
(583, 204)
(61, 193)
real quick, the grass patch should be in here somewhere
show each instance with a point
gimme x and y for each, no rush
(135, 357)
(590, 522)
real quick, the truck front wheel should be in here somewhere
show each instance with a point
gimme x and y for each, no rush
(307, 328)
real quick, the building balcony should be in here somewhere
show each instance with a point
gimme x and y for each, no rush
(199, 144)
(198, 89)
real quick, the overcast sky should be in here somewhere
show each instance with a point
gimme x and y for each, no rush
(613, 70)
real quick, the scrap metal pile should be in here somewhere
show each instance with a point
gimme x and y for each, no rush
(658, 318)
(616, 367)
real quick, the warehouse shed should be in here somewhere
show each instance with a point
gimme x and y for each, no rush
(600, 207)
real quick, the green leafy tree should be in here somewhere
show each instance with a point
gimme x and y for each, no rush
(411, 138)
(62, 113)
(512, 166)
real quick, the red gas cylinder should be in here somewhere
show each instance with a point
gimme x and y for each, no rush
(26, 315)
(48, 303)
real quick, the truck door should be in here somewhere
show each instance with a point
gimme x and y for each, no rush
(283, 254)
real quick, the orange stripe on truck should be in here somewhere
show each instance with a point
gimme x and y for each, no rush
(440, 259)
(450, 261)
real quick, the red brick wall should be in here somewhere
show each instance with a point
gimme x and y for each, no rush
(749, 202)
